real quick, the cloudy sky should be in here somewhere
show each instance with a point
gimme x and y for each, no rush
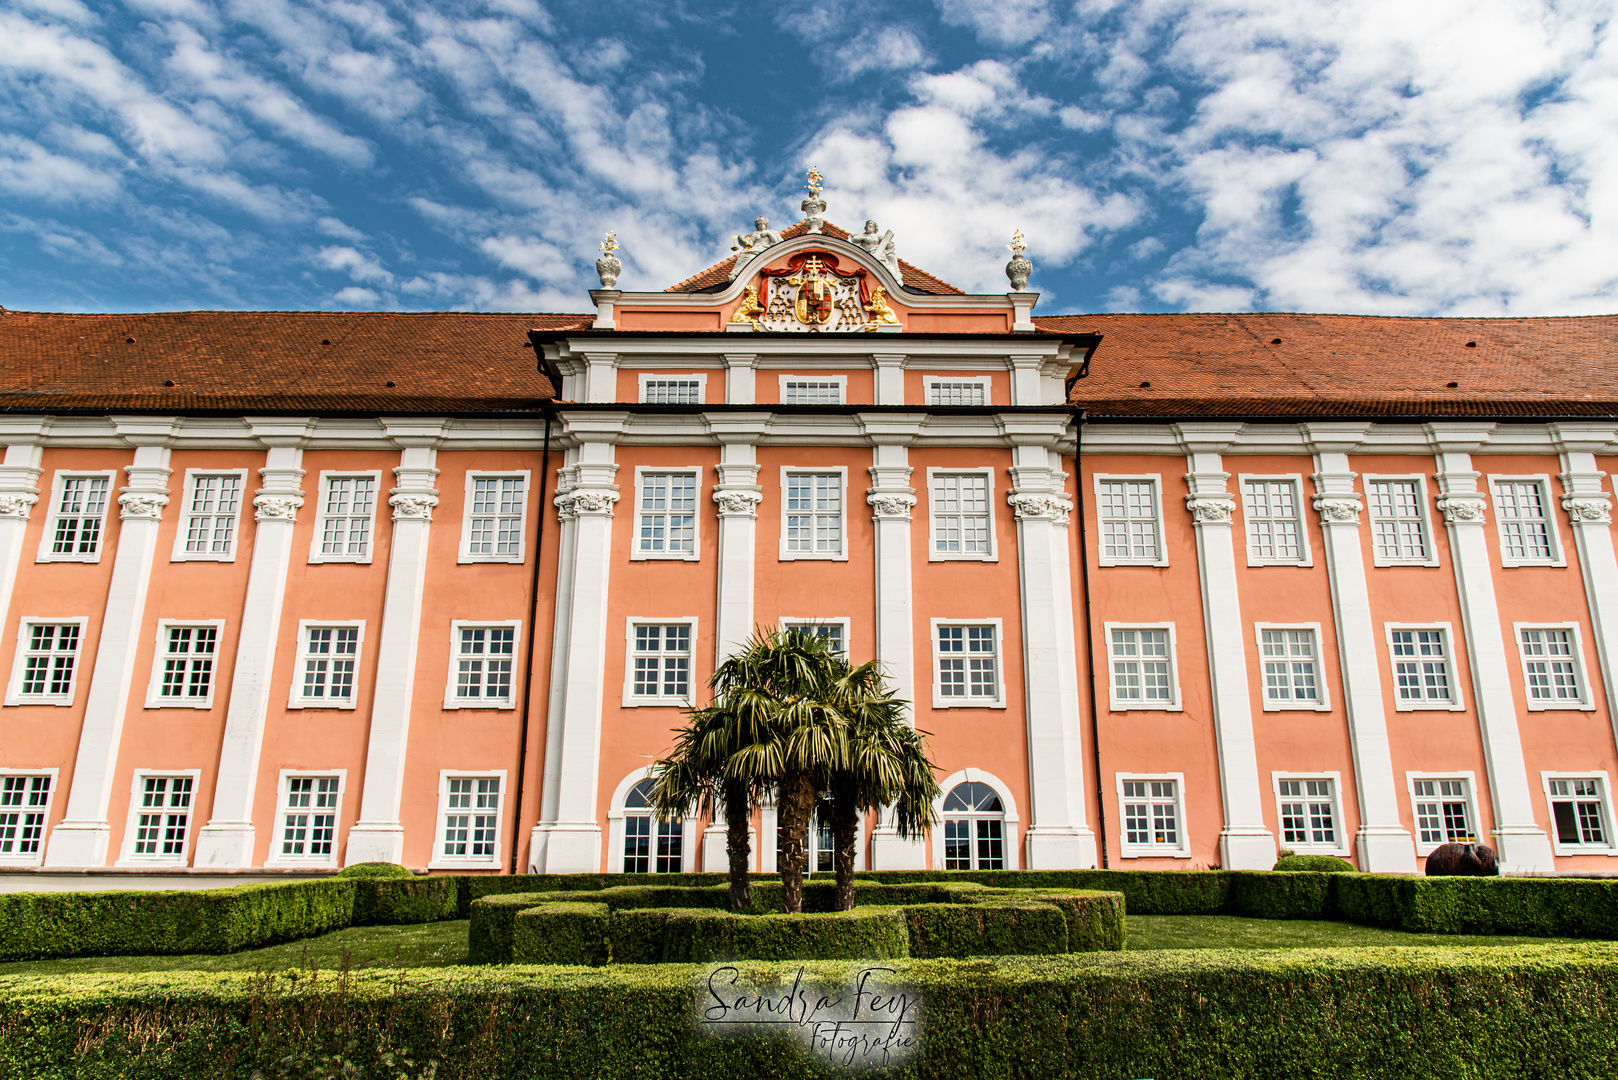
(1381, 156)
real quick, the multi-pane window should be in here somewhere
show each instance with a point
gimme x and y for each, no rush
(968, 663)
(81, 509)
(494, 517)
(811, 392)
(1522, 511)
(49, 661)
(1580, 812)
(1129, 525)
(819, 846)
(814, 514)
(24, 805)
(1398, 521)
(1550, 658)
(960, 511)
(483, 656)
(211, 514)
(974, 828)
(188, 664)
(652, 844)
(1274, 519)
(163, 817)
(1308, 813)
(1152, 814)
(667, 514)
(1421, 670)
(833, 633)
(957, 392)
(329, 655)
(1443, 812)
(671, 391)
(309, 817)
(1142, 667)
(471, 817)
(346, 512)
(1291, 671)
(661, 661)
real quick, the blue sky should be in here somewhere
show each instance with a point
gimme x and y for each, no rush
(1380, 156)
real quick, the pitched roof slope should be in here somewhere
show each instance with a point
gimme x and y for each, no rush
(719, 272)
(274, 360)
(1325, 365)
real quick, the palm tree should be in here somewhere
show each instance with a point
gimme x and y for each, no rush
(692, 777)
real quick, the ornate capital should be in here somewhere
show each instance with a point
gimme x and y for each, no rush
(1040, 506)
(1211, 509)
(16, 504)
(890, 505)
(142, 505)
(1594, 509)
(414, 506)
(276, 507)
(1338, 511)
(576, 503)
(1463, 509)
(738, 502)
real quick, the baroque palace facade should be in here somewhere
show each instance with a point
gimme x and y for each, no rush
(299, 590)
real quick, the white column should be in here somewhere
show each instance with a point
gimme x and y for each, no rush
(1383, 845)
(24, 440)
(1589, 513)
(737, 495)
(740, 372)
(1244, 842)
(567, 529)
(601, 377)
(83, 836)
(1059, 836)
(889, 378)
(378, 836)
(228, 838)
(891, 499)
(1519, 842)
(568, 838)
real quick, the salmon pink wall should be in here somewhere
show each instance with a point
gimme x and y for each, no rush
(858, 389)
(713, 389)
(916, 385)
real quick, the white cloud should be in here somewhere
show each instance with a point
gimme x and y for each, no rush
(30, 170)
(354, 296)
(1003, 22)
(359, 267)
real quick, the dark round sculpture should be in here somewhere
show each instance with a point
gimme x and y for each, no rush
(1462, 860)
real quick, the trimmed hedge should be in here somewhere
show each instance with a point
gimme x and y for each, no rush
(564, 933)
(376, 870)
(1363, 1014)
(1325, 864)
(695, 936)
(999, 929)
(386, 901)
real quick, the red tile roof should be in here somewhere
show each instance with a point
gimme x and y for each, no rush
(719, 272)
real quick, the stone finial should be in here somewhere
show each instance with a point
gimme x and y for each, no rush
(608, 266)
(814, 205)
(1019, 267)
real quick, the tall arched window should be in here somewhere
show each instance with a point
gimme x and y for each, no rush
(974, 828)
(652, 845)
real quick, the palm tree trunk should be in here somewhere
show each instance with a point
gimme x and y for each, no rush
(738, 811)
(845, 827)
(796, 804)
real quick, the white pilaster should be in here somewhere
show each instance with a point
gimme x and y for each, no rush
(1383, 845)
(740, 374)
(1589, 513)
(737, 495)
(378, 836)
(1244, 842)
(227, 840)
(889, 378)
(1027, 379)
(83, 836)
(24, 440)
(1520, 843)
(601, 377)
(1059, 836)
(568, 839)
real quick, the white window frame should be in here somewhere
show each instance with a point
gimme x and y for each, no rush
(1175, 703)
(1423, 849)
(275, 858)
(1341, 846)
(1324, 704)
(695, 554)
(698, 377)
(48, 536)
(472, 476)
(188, 492)
(1426, 519)
(192, 825)
(1102, 559)
(633, 701)
(14, 694)
(296, 700)
(50, 798)
(440, 861)
(933, 554)
(1558, 556)
(154, 696)
(1587, 701)
(451, 701)
(787, 622)
(996, 702)
(617, 813)
(1306, 555)
(1457, 701)
(1010, 835)
(326, 476)
(1601, 778)
(788, 471)
(929, 382)
(1138, 851)
(840, 380)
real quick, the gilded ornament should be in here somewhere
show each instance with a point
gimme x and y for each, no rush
(749, 309)
(879, 311)
(814, 303)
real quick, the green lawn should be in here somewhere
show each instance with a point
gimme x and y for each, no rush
(442, 944)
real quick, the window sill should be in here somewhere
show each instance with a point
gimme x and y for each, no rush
(951, 556)
(497, 706)
(1132, 562)
(349, 707)
(1270, 706)
(315, 560)
(135, 862)
(657, 703)
(204, 558)
(967, 703)
(665, 556)
(1380, 562)
(1303, 564)
(1587, 706)
(60, 703)
(69, 558)
(1517, 564)
(1423, 706)
(801, 556)
(196, 706)
(515, 560)
(1137, 706)
(1570, 850)
(464, 864)
(1153, 853)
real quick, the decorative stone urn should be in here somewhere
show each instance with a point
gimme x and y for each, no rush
(1018, 269)
(608, 267)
